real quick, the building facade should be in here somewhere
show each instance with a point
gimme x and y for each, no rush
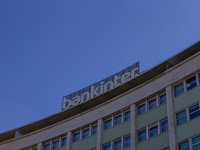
(158, 110)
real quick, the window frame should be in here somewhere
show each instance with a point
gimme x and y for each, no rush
(126, 118)
(87, 134)
(154, 100)
(145, 109)
(160, 100)
(49, 143)
(109, 143)
(115, 121)
(105, 123)
(57, 140)
(166, 125)
(74, 139)
(115, 147)
(141, 135)
(151, 127)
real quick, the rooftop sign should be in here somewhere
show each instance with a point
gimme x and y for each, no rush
(100, 87)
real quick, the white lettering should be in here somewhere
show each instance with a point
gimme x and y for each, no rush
(125, 77)
(93, 91)
(116, 78)
(66, 103)
(96, 91)
(76, 100)
(108, 86)
(85, 97)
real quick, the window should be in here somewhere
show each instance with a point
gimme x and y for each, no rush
(191, 83)
(107, 146)
(199, 77)
(181, 117)
(126, 141)
(47, 146)
(194, 111)
(126, 115)
(153, 131)
(55, 144)
(76, 136)
(141, 109)
(184, 145)
(162, 99)
(108, 123)
(94, 129)
(63, 141)
(164, 125)
(142, 135)
(152, 103)
(85, 133)
(196, 143)
(117, 145)
(117, 119)
(179, 89)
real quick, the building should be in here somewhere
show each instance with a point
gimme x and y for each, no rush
(159, 109)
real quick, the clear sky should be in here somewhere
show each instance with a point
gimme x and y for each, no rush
(51, 48)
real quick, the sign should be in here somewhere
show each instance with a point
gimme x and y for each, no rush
(100, 87)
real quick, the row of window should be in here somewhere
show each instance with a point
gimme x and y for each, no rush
(54, 144)
(190, 144)
(117, 119)
(118, 144)
(152, 103)
(152, 130)
(187, 85)
(85, 132)
(188, 114)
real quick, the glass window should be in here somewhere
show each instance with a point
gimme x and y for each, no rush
(153, 131)
(184, 145)
(94, 129)
(196, 143)
(152, 103)
(179, 89)
(141, 109)
(108, 123)
(117, 119)
(181, 117)
(164, 125)
(191, 83)
(199, 77)
(194, 111)
(126, 115)
(162, 99)
(63, 142)
(107, 146)
(55, 144)
(126, 141)
(76, 136)
(85, 133)
(117, 145)
(142, 135)
(47, 146)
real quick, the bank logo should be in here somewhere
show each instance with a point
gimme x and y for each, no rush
(100, 87)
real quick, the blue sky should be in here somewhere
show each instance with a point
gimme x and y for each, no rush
(51, 48)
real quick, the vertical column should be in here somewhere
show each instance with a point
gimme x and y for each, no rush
(133, 126)
(171, 118)
(99, 134)
(69, 140)
(40, 146)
